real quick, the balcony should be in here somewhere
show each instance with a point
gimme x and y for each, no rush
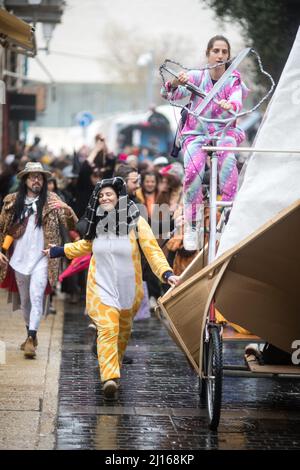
(16, 33)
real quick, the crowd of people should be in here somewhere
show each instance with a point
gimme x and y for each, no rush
(152, 183)
(55, 203)
(128, 214)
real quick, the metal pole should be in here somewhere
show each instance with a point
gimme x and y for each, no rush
(8, 73)
(210, 148)
(249, 374)
(213, 207)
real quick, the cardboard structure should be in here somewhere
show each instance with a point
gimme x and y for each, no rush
(255, 279)
(271, 180)
(256, 284)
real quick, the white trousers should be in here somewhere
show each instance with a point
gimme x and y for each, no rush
(32, 290)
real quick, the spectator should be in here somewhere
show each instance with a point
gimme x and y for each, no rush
(132, 179)
(102, 160)
(31, 217)
(148, 192)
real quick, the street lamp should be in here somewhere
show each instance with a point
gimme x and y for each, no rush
(48, 29)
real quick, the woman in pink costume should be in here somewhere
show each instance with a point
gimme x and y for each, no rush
(196, 133)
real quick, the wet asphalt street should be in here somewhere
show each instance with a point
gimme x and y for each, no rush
(159, 405)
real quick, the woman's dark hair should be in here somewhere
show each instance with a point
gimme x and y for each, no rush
(53, 180)
(6, 178)
(173, 184)
(149, 173)
(100, 159)
(22, 192)
(212, 40)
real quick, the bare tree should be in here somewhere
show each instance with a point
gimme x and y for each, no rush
(126, 46)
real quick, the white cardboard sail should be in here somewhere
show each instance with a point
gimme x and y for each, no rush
(271, 181)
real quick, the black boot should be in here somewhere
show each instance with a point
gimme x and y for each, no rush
(94, 346)
(127, 359)
(32, 333)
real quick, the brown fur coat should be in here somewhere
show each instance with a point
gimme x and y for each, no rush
(52, 218)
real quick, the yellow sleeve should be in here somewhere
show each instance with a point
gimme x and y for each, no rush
(151, 249)
(76, 249)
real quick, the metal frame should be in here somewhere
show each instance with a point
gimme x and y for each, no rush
(213, 202)
(211, 148)
(231, 370)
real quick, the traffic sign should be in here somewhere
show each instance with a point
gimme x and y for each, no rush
(84, 118)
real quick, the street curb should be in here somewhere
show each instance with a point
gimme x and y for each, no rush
(49, 402)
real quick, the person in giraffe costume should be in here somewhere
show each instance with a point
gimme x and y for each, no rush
(115, 235)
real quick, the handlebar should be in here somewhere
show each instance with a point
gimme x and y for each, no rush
(194, 89)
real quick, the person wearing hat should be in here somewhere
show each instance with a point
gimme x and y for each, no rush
(115, 234)
(160, 162)
(29, 221)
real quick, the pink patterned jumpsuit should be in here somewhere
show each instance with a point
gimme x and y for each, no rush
(196, 133)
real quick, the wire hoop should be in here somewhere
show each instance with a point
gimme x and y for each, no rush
(234, 116)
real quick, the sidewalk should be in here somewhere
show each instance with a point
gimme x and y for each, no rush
(29, 388)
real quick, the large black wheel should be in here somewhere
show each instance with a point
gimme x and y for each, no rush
(214, 376)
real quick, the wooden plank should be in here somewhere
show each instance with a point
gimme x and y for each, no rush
(254, 366)
(229, 334)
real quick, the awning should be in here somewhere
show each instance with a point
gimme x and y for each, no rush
(16, 34)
